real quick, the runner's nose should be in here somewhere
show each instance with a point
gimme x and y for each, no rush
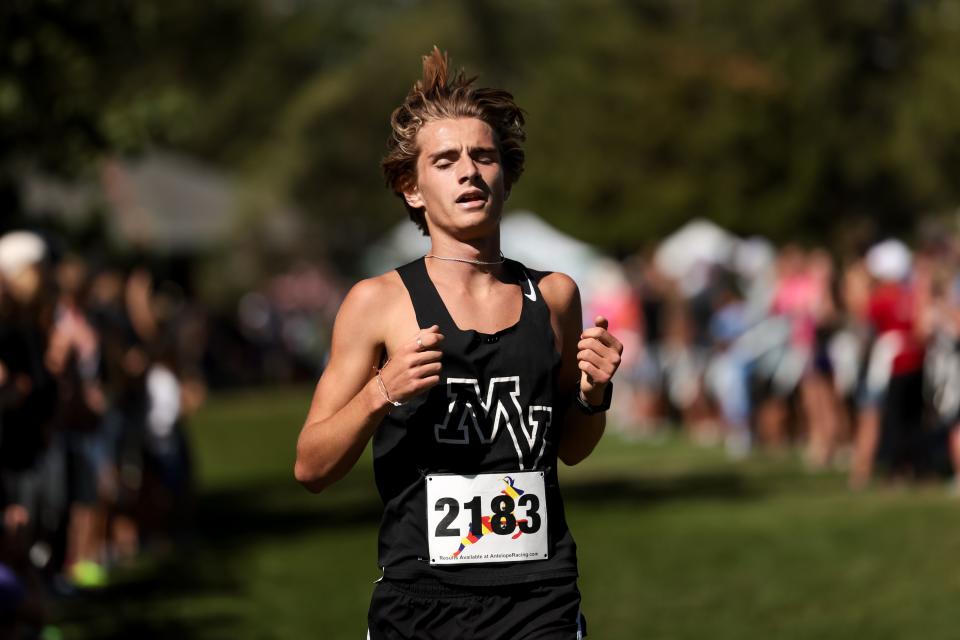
(468, 171)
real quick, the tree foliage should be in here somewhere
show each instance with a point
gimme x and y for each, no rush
(791, 118)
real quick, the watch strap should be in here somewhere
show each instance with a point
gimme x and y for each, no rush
(591, 409)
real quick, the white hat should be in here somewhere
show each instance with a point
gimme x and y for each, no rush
(19, 250)
(889, 260)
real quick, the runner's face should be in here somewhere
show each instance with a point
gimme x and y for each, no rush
(459, 177)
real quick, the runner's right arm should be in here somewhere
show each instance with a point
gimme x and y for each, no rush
(348, 403)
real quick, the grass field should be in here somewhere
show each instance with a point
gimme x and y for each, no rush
(674, 542)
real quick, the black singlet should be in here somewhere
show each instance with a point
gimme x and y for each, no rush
(412, 442)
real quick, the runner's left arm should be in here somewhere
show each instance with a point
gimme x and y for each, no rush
(589, 359)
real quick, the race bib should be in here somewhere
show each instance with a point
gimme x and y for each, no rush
(491, 517)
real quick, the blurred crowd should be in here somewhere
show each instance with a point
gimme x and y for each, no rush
(99, 369)
(856, 364)
(102, 363)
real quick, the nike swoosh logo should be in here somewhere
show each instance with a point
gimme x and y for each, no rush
(532, 296)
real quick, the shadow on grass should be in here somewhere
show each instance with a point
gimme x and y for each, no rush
(145, 602)
(198, 591)
(638, 492)
(250, 515)
(146, 608)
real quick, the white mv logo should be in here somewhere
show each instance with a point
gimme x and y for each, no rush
(468, 409)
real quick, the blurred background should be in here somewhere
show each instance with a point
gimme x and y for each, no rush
(763, 197)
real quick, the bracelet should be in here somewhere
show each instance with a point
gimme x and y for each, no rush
(591, 409)
(383, 390)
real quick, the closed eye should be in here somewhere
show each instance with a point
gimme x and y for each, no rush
(485, 156)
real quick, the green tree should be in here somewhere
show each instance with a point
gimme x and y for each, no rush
(790, 118)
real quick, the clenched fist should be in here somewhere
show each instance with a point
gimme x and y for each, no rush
(415, 367)
(598, 358)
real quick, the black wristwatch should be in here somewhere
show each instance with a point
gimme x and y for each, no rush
(591, 409)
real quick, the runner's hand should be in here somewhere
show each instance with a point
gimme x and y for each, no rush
(598, 357)
(415, 367)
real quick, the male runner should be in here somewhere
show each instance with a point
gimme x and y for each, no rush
(472, 374)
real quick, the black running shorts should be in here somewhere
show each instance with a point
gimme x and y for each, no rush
(429, 610)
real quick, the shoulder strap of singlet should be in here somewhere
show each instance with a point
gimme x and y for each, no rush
(531, 291)
(427, 303)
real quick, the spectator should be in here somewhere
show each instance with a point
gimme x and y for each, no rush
(891, 401)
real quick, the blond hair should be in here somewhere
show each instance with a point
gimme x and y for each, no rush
(440, 96)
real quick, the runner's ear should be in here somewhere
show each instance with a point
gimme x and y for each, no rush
(413, 197)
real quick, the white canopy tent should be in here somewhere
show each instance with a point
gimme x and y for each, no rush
(688, 253)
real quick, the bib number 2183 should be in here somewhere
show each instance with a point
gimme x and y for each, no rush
(491, 517)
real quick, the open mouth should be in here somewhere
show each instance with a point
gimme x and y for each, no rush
(472, 197)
